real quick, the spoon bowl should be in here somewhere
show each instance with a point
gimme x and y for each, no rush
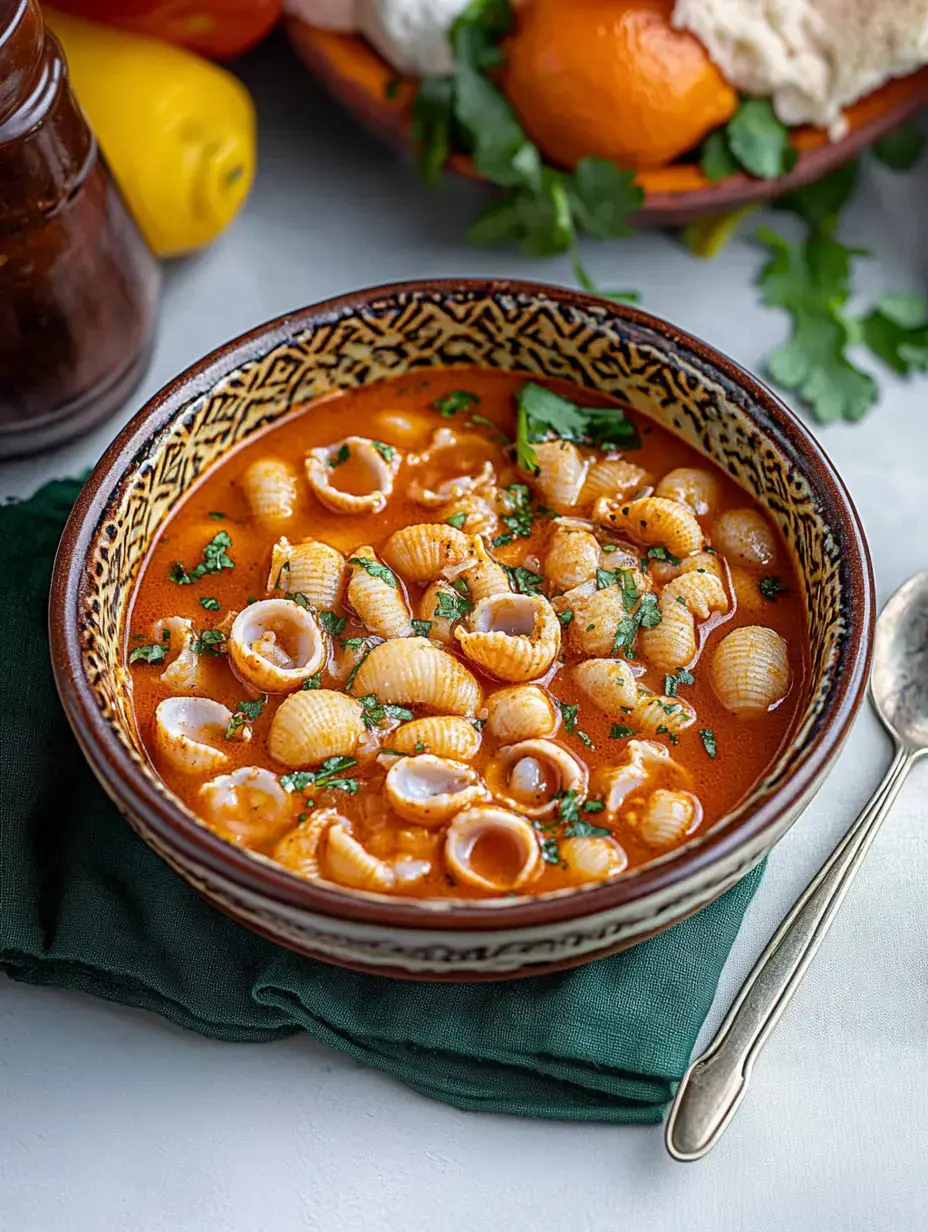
(899, 682)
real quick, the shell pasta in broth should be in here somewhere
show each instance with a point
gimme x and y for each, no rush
(463, 635)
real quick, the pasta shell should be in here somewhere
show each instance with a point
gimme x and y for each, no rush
(476, 511)
(349, 864)
(419, 553)
(413, 671)
(431, 607)
(370, 470)
(443, 735)
(662, 571)
(745, 537)
(298, 851)
(654, 714)
(248, 806)
(311, 726)
(698, 489)
(275, 645)
(512, 637)
(534, 775)
(492, 849)
(520, 713)
(750, 670)
(270, 488)
(560, 474)
(190, 732)
(429, 790)
(484, 575)
(614, 478)
(310, 568)
(597, 613)
(454, 465)
(645, 765)
(183, 670)
(672, 644)
(572, 557)
(608, 683)
(379, 604)
(654, 521)
(593, 858)
(666, 818)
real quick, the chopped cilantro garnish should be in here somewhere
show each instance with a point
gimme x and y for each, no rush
(375, 569)
(523, 581)
(594, 806)
(385, 451)
(457, 400)
(707, 735)
(245, 712)
(422, 628)
(456, 520)
(569, 715)
(585, 829)
(214, 513)
(211, 604)
(297, 597)
(671, 682)
(770, 587)
(452, 607)
(460, 586)
(566, 616)
(618, 731)
(313, 682)
(542, 414)
(343, 454)
(330, 622)
(357, 667)
(210, 641)
(759, 141)
(329, 774)
(215, 559)
(153, 653)
(374, 712)
(660, 553)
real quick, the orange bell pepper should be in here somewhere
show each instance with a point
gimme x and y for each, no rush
(218, 29)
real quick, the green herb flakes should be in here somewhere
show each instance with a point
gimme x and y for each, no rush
(245, 712)
(215, 559)
(770, 587)
(456, 520)
(422, 628)
(374, 713)
(457, 400)
(387, 452)
(618, 731)
(341, 456)
(672, 682)
(211, 604)
(375, 569)
(153, 653)
(210, 641)
(335, 625)
(707, 736)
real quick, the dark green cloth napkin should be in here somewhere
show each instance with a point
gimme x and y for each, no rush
(86, 905)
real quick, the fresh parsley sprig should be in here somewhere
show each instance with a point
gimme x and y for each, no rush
(215, 559)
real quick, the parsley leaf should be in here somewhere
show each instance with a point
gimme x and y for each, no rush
(586, 829)
(550, 852)
(618, 731)
(329, 774)
(245, 712)
(330, 622)
(422, 628)
(210, 641)
(900, 150)
(671, 683)
(602, 196)
(521, 517)
(211, 604)
(457, 400)
(312, 682)
(456, 520)
(770, 587)
(357, 667)
(707, 735)
(431, 125)
(215, 559)
(716, 160)
(153, 653)
(375, 569)
(896, 330)
(220, 517)
(542, 413)
(452, 607)
(297, 597)
(594, 806)
(660, 553)
(569, 715)
(343, 454)
(566, 616)
(811, 281)
(385, 451)
(820, 202)
(759, 141)
(375, 712)
(523, 581)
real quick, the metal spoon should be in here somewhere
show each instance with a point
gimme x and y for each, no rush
(715, 1083)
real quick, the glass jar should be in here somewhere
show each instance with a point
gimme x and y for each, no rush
(78, 286)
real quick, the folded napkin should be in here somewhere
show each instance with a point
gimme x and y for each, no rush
(86, 905)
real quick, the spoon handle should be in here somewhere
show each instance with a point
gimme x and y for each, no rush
(715, 1083)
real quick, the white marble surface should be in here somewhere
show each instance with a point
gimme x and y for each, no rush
(111, 1119)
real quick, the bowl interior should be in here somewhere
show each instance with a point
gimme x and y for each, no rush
(359, 339)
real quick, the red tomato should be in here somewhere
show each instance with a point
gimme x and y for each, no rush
(219, 29)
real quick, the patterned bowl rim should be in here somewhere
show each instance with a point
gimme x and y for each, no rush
(138, 796)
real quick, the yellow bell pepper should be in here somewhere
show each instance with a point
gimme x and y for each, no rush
(177, 132)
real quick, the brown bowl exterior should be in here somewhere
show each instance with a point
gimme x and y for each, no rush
(367, 336)
(363, 83)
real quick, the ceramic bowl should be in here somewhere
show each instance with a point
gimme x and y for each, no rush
(684, 385)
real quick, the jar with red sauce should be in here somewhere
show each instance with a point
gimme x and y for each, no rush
(78, 286)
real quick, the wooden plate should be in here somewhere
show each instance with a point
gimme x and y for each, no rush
(360, 79)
